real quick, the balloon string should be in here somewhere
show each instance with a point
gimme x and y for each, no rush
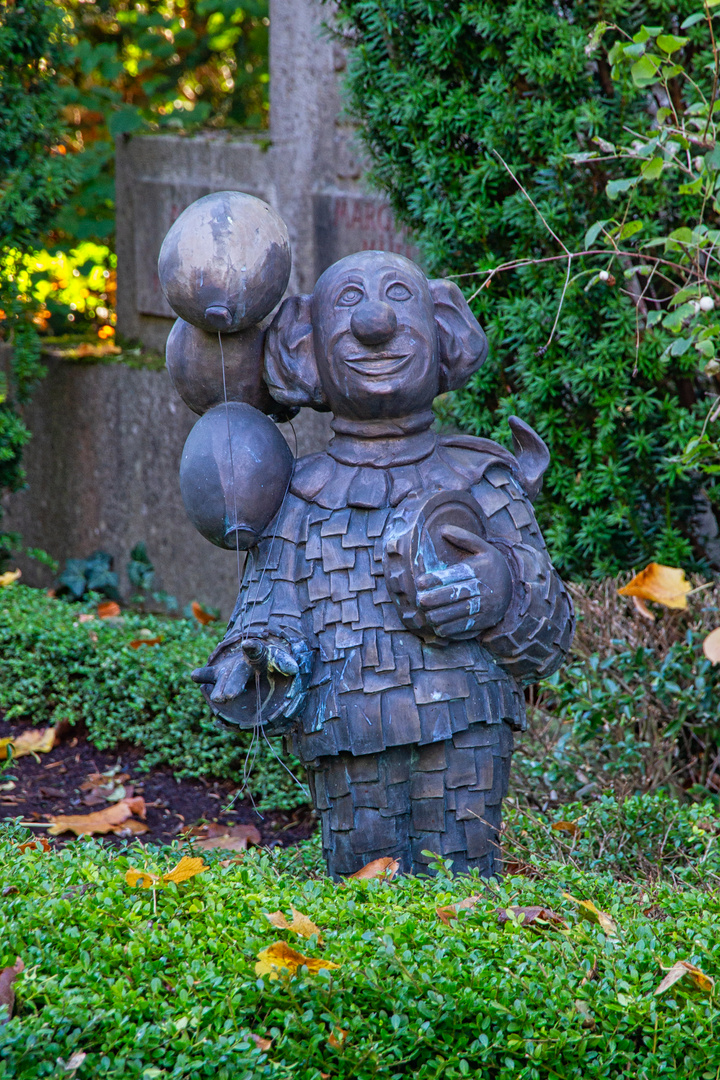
(232, 463)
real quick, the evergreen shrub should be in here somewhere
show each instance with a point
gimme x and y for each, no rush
(439, 90)
(56, 668)
(35, 176)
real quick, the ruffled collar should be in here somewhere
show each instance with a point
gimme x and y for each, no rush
(381, 444)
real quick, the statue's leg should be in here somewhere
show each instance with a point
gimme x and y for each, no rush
(444, 797)
(364, 807)
(457, 787)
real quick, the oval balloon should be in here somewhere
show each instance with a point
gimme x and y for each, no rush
(232, 487)
(225, 263)
(195, 366)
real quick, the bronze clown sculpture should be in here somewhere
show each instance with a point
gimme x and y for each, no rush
(397, 592)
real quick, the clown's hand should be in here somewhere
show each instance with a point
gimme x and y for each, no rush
(470, 596)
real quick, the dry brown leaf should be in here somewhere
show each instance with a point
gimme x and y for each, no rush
(102, 821)
(565, 826)
(108, 609)
(300, 924)
(534, 916)
(447, 914)
(260, 1042)
(9, 578)
(711, 646)
(588, 911)
(642, 609)
(31, 741)
(229, 838)
(337, 1038)
(131, 827)
(592, 973)
(279, 957)
(145, 641)
(187, 868)
(204, 617)
(8, 976)
(517, 868)
(383, 868)
(86, 616)
(666, 585)
(39, 844)
(73, 1063)
(681, 970)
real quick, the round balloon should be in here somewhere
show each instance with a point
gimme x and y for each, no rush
(195, 366)
(225, 263)
(234, 473)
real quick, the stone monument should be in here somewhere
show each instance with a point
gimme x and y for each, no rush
(397, 591)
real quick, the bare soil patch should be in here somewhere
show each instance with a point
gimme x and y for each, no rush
(51, 784)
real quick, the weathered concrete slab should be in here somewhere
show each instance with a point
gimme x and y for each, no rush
(102, 472)
(307, 167)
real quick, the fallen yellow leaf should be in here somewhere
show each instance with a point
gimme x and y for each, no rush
(386, 868)
(280, 957)
(587, 910)
(185, 869)
(31, 741)
(565, 826)
(682, 969)
(260, 1042)
(665, 585)
(711, 646)
(9, 578)
(300, 924)
(111, 819)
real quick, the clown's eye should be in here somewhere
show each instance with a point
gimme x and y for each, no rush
(350, 296)
(398, 291)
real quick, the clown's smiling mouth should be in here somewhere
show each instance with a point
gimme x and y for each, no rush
(381, 364)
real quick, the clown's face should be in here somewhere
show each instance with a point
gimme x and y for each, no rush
(375, 337)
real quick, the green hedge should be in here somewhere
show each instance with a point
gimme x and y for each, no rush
(437, 89)
(162, 986)
(53, 669)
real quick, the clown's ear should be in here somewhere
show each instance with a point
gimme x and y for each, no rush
(462, 342)
(290, 368)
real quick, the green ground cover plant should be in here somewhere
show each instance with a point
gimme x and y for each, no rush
(635, 708)
(443, 95)
(129, 983)
(56, 668)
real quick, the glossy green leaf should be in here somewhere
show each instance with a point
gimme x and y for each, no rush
(652, 169)
(669, 43)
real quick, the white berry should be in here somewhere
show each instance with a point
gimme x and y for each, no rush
(707, 303)
(603, 275)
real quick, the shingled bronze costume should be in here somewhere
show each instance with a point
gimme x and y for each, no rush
(401, 593)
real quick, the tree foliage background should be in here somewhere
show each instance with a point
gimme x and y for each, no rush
(74, 75)
(439, 90)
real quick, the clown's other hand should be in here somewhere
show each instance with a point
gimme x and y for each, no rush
(225, 678)
(469, 596)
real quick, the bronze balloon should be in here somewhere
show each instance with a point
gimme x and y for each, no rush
(195, 366)
(233, 487)
(225, 263)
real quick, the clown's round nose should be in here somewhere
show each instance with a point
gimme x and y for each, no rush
(373, 322)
